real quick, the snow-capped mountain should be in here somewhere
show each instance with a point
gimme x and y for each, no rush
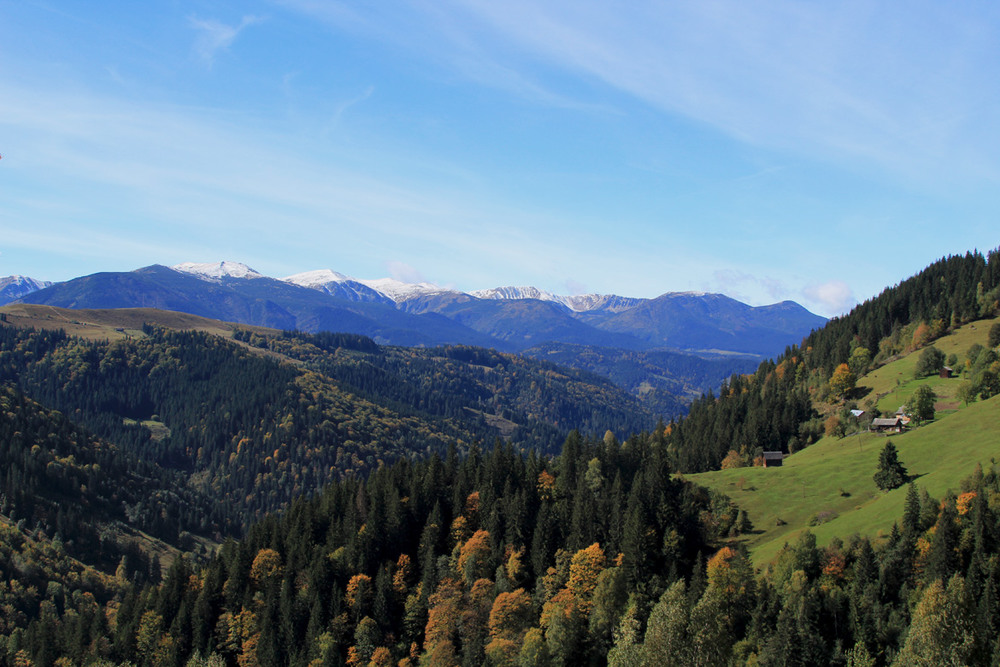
(578, 303)
(512, 292)
(338, 285)
(317, 279)
(14, 287)
(400, 291)
(611, 303)
(215, 271)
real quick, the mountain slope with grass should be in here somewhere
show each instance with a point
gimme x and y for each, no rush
(785, 404)
(828, 487)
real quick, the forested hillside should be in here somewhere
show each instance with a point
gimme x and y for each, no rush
(775, 407)
(92, 502)
(255, 430)
(499, 559)
(665, 381)
(456, 559)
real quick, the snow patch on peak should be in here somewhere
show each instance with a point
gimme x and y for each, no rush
(217, 270)
(611, 303)
(399, 291)
(579, 303)
(23, 282)
(318, 278)
(15, 287)
(513, 293)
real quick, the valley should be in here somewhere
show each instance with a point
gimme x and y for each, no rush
(184, 490)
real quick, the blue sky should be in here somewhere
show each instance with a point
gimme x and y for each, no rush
(803, 150)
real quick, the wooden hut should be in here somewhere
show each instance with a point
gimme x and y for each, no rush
(773, 459)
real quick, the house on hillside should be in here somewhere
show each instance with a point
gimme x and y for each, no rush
(947, 372)
(887, 424)
(901, 413)
(773, 459)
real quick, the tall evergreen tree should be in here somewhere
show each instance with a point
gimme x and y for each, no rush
(890, 473)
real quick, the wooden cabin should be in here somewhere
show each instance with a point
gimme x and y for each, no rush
(773, 459)
(887, 424)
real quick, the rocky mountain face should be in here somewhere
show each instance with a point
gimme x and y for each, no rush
(13, 288)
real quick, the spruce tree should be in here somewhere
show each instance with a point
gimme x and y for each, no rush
(890, 474)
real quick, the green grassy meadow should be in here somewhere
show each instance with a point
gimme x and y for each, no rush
(830, 485)
(894, 383)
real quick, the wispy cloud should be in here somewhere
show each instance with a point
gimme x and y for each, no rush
(196, 175)
(404, 272)
(749, 287)
(900, 95)
(214, 36)
(347, 104)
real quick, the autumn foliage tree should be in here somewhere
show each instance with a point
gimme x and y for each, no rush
(842, 381)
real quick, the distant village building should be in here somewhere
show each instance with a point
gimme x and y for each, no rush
(773, 459)
(888, 424)
(946, 372)
(858, 413)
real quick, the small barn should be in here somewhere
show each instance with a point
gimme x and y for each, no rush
(888, 424)
(773, 459)
(947, 372)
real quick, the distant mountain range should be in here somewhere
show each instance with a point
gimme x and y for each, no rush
(512, 319)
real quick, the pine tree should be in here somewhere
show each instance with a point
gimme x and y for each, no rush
(890, 474)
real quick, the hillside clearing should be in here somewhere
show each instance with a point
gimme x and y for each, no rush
(828, 487)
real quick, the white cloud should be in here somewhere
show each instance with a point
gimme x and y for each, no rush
(404, 272)
(214, 36)
(748, 287)
(833, 297)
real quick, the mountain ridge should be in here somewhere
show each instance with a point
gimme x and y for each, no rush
(713, 330)
(657, 320)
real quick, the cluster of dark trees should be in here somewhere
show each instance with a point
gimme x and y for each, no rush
(928, 595)
(59, 482)
(982, 368)
(600, 555)
(948, 293)
(493, 556)
(543, 400)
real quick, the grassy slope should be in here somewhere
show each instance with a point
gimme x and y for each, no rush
(105, 324)
(835, 475)
(894, 383)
